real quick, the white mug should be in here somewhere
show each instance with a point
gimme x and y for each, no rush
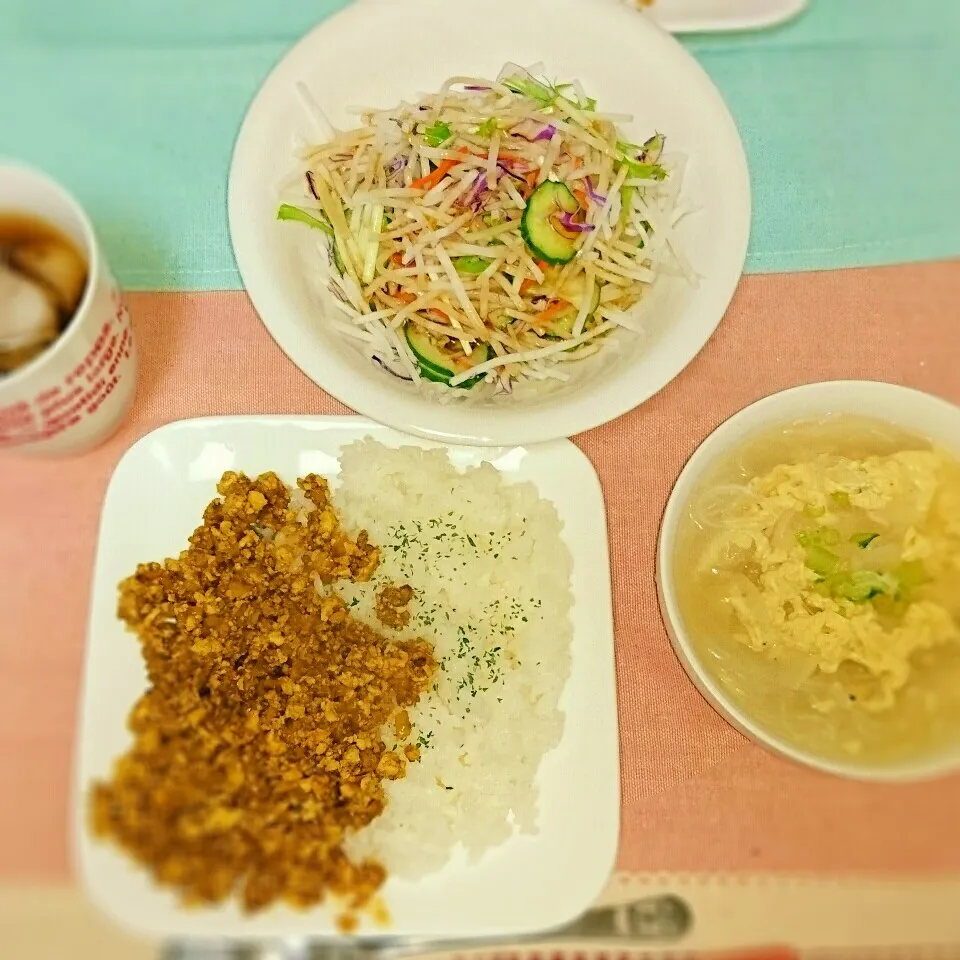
(77, 392)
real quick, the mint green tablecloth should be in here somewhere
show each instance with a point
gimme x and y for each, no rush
(850, 115)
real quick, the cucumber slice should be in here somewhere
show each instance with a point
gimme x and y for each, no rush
(544, 242)
(561, 326)
(471, 265)
(428, 352)
(579, 289)
(575, 291)
(436, 363)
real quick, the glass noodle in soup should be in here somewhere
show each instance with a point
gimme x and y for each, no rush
(818, 578)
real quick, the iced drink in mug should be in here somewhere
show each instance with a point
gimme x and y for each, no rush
(67, 364)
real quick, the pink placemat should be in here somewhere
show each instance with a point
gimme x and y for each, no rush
(697, 797)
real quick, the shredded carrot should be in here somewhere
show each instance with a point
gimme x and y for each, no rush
(501, 297)
(557, 306)
(530, 179)
(432, 179)
(405, 297)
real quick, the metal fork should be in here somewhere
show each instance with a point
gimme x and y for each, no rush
(664, 918)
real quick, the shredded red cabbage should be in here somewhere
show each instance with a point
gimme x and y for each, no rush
(598, 198)
(311, 186)
(510, 163)
(505, 167)
(475, 200)
(533, 131)
(569, 224)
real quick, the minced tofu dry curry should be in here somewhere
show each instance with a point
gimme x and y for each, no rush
(819, 577)
(258, 747)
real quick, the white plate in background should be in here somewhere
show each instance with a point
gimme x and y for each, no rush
(155, 500)
(378, 52)
(703, 16)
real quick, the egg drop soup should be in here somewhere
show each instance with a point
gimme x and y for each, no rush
(818, 578)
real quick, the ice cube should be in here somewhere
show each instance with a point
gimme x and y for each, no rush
(57, 266)
(28, 319)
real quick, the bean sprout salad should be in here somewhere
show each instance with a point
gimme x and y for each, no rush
(492, 233)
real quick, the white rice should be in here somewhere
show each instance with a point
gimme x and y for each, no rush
(489, 554)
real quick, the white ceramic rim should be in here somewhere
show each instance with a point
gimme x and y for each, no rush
(704, 456)
(450, 423)
(779, 12)
(92, 250)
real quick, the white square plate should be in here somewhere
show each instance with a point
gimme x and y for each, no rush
(155, 500)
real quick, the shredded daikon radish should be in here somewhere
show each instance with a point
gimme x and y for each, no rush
(531, 354)
(586, 305)
(326, 128)
(429, 229)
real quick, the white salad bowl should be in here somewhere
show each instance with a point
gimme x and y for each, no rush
(379, 52)
(911, 410)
